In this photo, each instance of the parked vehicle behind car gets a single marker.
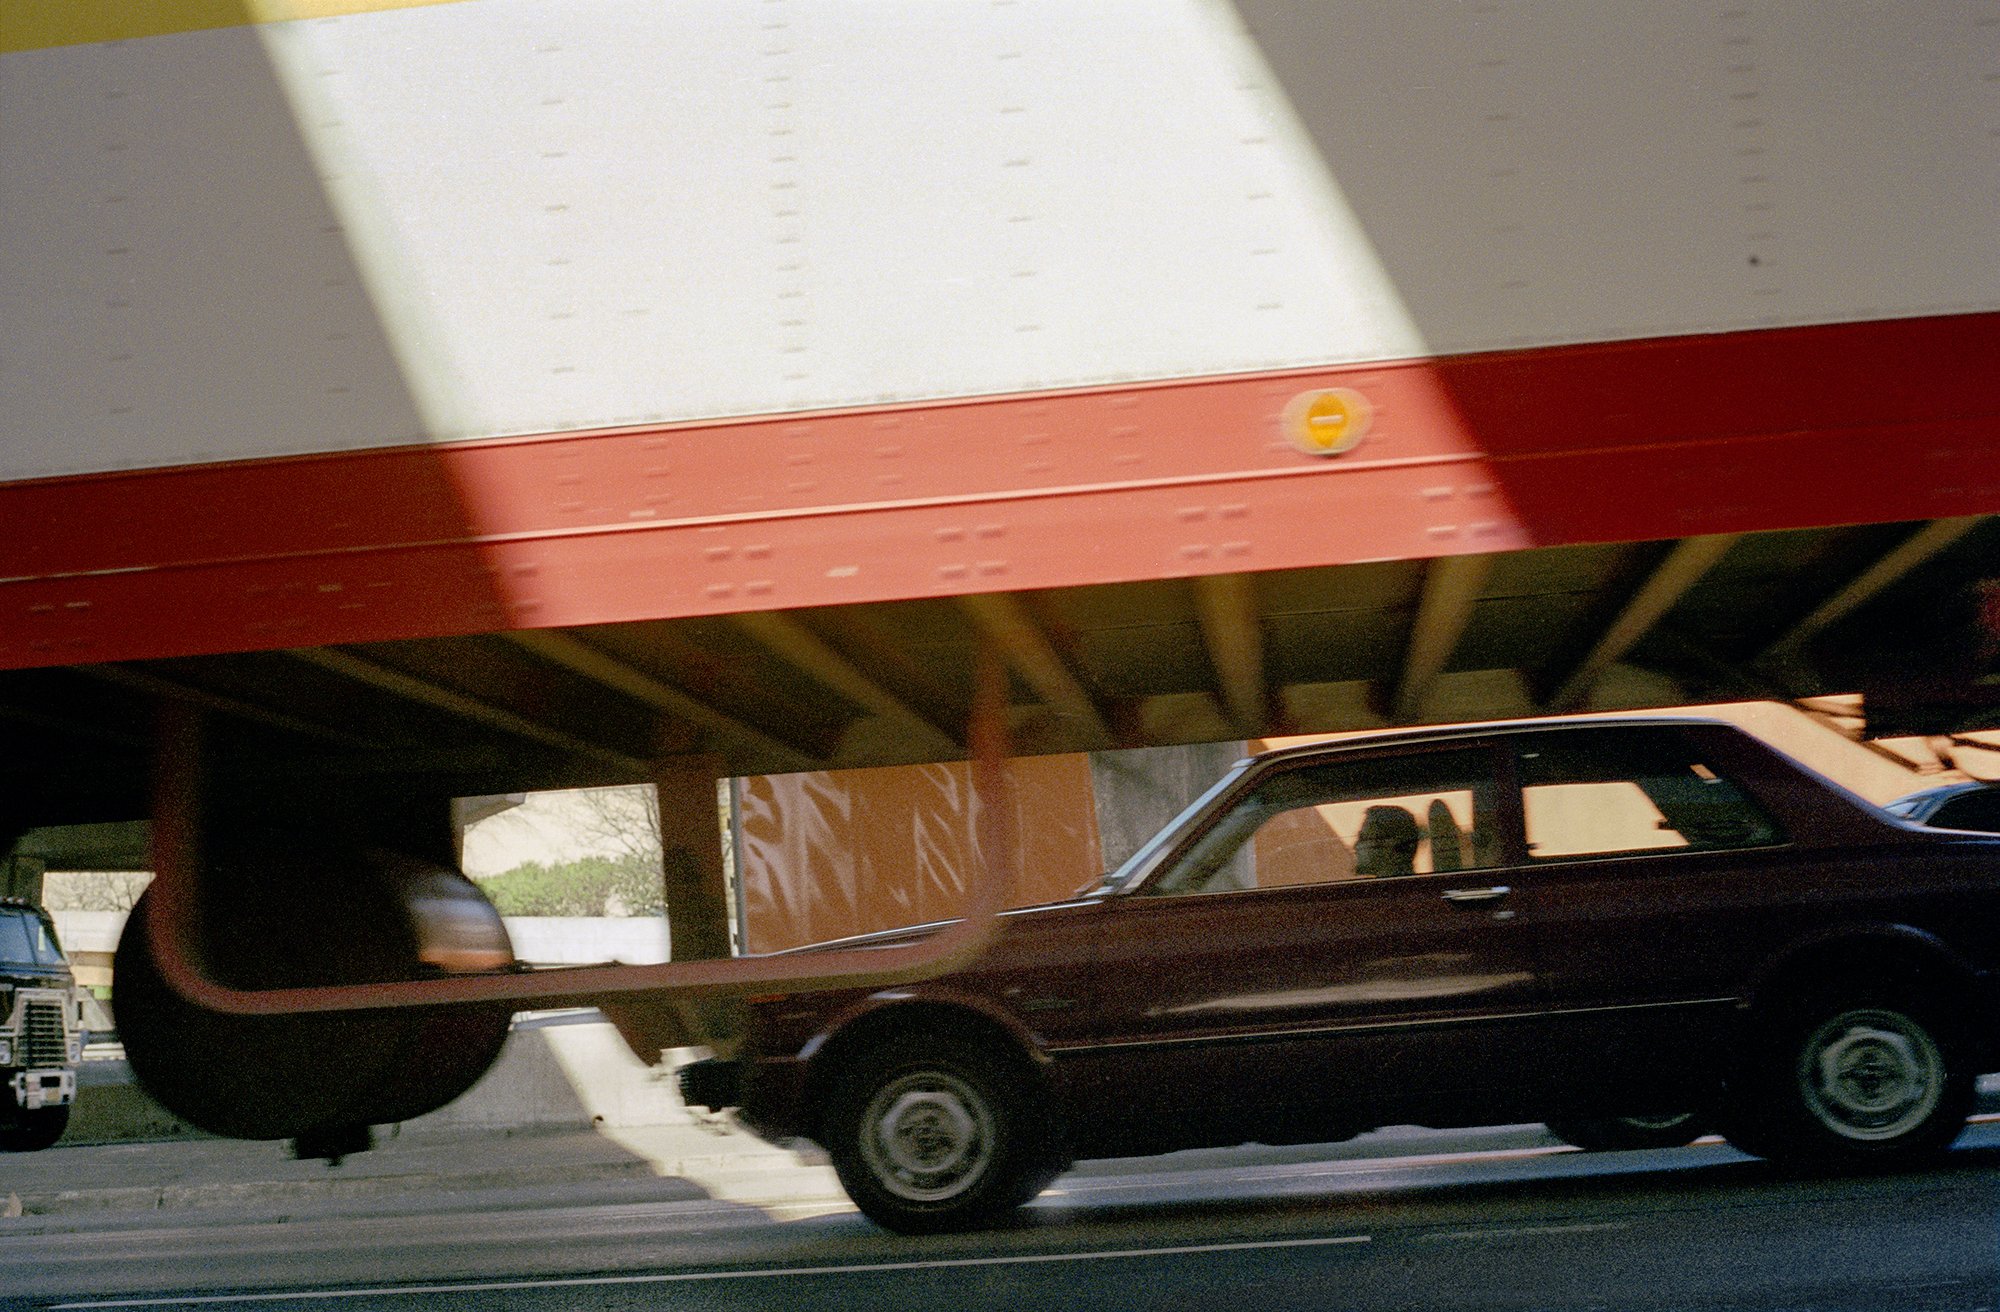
(1617, 926)
(41, 1037)
(1972, 805)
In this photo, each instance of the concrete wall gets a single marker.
(558, 1071)
(566, 1071)
(586, 940)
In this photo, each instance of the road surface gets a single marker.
(1448, 1226)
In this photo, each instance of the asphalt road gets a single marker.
(1517, 1228)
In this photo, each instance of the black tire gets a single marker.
(1600, 1134)
(932, 1133)
(1863, 1078)
(308, 1074)
(1051, 1163)
(31, 1131)
(241, 1077)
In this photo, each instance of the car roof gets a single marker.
(1488, 729)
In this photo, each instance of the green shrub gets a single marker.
(591, 886)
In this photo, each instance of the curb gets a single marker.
(146, 1198)
(193, 1174)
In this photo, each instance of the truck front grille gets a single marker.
(42, 1037)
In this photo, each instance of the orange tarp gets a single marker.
(828, 854)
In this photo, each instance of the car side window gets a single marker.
(1604, 794)
(1425, 813)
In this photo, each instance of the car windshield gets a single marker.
(27, 940)
(1132, 866)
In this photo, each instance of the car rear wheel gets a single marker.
(1855, 1081)
(23, 1131)
(1617, 1133)
(931, 1133)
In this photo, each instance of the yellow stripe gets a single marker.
(42, 24)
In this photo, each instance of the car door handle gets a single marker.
(1493, 894)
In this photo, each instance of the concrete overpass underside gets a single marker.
(1902, 613)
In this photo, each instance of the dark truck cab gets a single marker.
(40, 1039)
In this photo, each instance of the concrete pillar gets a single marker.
(469, 811)
(21, 876)
(1139, 790)
(697, 896)
(691, 858)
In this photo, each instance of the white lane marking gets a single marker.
(682, 1277)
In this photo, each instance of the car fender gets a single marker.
(933, 1001)
(1891, 947)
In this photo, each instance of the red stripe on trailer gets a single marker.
(1606, 442)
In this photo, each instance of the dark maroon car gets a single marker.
(1631, 929)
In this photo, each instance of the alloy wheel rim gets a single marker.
(927, 1136)
(1871, 1075)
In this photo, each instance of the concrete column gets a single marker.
(21, 876)
(691, 858)
(697, 892)
(1139, 790)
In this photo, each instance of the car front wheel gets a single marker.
(1873, 1080)
(930, 1134)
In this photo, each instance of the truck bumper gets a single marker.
(765, 1095)
(34, 1090)
(712, 1083)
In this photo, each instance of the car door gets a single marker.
(1651, 882)
(1303, 953)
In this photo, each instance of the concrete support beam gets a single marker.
(1681, 570)
(581, 658)
(1006, 623)
(112, 845)
(804, 649)
(408, 686)
(155, 686)
(1452, 585)
(1226, 605)
(1914, 550)
(71, 728)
